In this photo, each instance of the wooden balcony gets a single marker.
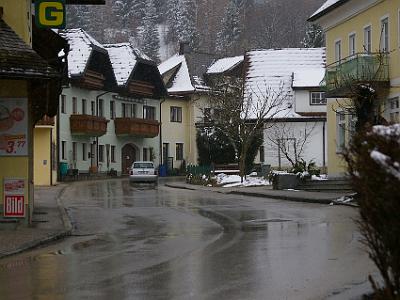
(88, 125)
(136, 127)
(46, 121)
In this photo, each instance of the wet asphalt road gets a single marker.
(141, 242)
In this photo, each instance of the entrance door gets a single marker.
(128, 157)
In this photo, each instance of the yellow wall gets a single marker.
(42, 156)
(356, 24)
(15, 167)
(17, 14)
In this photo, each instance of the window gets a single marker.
(63, 104)
(112, 153)
(340, 131)
(179, 151)
(338, 50)
(63, 150)
(176, 114)
(384, 47)
(112, 110)
(394, 112)
(149, 112)
(93, 108)
(124, 110)
(145, 157)
(165, 153)
(84, 154)
(352, 44)
(101, 153)
(128, 110)
(352, 125)
(317, 98)
(367, 39)
(101, 108)
(74, 105)
(262, 154)
(151, 154)
(74, 151)
(84, 107)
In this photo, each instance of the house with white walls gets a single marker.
(297, 127)
(109, 115)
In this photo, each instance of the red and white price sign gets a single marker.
(14, 198)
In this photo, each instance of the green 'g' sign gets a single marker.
(50, 13)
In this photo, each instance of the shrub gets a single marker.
(374, 166)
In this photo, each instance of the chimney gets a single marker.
(184, 48)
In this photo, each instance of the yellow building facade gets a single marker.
(363, 27)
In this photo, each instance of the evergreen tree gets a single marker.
(149, 34)
(228, 37)
(172, 20)
(314, 37)
(187, 30)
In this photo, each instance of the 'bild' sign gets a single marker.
(14, 198)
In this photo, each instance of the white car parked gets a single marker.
(143, 171)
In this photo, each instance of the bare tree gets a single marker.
(289, 140)
(241, 113)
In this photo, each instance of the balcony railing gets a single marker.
(136, 127)
(88, 125)
(358, 68)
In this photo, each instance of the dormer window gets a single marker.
(317, 98)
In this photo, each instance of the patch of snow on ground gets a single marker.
(320, 177)
(234, 181)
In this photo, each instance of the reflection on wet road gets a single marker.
(141, 242)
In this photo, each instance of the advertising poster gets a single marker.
(13, 127)
(14, 197)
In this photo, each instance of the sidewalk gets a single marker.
(265, 192)
(50, 222)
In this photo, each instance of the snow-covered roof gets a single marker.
(308, 78)
(123, 59)
(224, 64)
(81, 46)
(270, 74)
(329, 4)
(181, 81)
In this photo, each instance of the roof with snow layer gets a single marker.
(188, 71)
(328, 6)
(81, 46)
(224, 64)
(124, 59)
(270, 75)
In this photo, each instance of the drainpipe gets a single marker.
(323, 146)
(97, 138)
(161, 140)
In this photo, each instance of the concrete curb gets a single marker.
(51, 237)
(283, 197)
(180, 187)
(227, 223)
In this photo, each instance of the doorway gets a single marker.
(129, 153)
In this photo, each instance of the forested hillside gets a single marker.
(226, 27)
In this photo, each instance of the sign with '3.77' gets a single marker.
(50, 13)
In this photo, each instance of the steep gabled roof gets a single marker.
(328, 6)
(270, 73)
(225, 64)
(187, 72)
(18, 60)
(81, 47)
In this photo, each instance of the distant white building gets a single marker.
(109, 114)
(298, 129)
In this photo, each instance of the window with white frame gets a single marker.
(112, 110)
(84, 153)
(149, 112)
(352, 44)
(384, 44)
(368, 39)
(84, 107)
(179, 151)
(338, 50)
(74, 105)
(128, 110)
(101, 153)
(317, 98)
(93, 108)
(113, 154)
(74, 151)
(394, 110)
(101, 108)
(63, 150)
(176, 114)
(63, 104)
(340, 131)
